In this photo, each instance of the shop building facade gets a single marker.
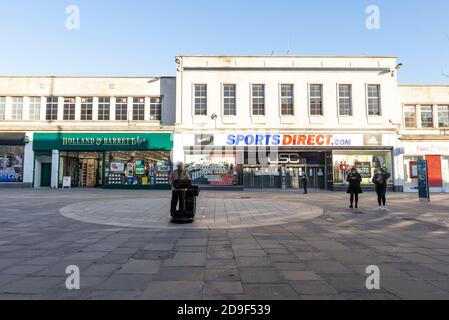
(86, 132)
(425, 135)
(262, 122)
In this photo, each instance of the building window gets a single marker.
(17, 108)
(2, 108)
(410, 116)
(87, 106)
(345, 100)
(51, 112)
(316, 99)
(258, 97)
(35, 108)
(104, 109)
(201, 100)
(287, 108)
(139, 109)
(69, 109)
(427, 116)
(121, 109)
(155, 109)
(374, 100)
(229, 100)
(443, 116)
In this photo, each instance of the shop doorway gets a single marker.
(261, 177)
(45, 175)
(85, 169)
(435, 174)
(316, 177)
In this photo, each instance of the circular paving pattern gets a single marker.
(212, 212)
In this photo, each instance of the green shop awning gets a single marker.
(103, 141)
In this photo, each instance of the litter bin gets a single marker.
(188, 205)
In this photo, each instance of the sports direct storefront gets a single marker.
(278, 160)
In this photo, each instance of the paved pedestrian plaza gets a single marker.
(244, 245)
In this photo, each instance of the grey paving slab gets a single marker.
(173, 290)
(270, 292)
(140, 267)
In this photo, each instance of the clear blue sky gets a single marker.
(142, 37)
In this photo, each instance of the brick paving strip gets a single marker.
(319, 257)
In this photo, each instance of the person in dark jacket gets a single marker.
(305, 181)
(354, 189)
(380, 181)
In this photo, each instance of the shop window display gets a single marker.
(11, 163)
(366, 162)
(137, 168)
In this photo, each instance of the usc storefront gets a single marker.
(273, 160)
(107, 160)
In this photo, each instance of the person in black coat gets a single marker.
(380, 181)
(354, 189)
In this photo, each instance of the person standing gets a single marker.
(380, 181)
(178, 175)
(305, 181)
(354, 189)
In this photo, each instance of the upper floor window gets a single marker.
(139, 109)
(258, 97)
(229, 100)
(87, 106)
(51, 112)
(410, 116)
(155, 109)
(287, 106)
(427, 116)
(17, 108)
(69, 109)
(374, 100)
(443, 116)
(316, 99)
(35, 108)
(121, 109)
(104, 108)
(201, 100)
(2, 108)
(345, 100)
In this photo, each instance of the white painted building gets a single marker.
(87, 131)
(249, 121)
(425, 135)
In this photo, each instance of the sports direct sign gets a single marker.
(289, 140)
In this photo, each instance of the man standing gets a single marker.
(177, 176)
(354, 189)
(305, 181)
(380, 181)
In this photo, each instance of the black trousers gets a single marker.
(177, 196)
(354, 196)
(381, 191)
(304, 184)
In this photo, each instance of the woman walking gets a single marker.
(355, 179)
(380, 181)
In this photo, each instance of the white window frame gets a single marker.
(86, 103)
(152, 104)
(367, 99)
(433, 116)
(438, 114)
(264, 100)
(194, 99)
(309, 100)
(292, 97)
(351, 100)
(404, 106)
(34, 107)
(140, 112)
(3, 108)
(17, 108)
(223, 99)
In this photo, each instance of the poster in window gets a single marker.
(364, 168)
(414, 170)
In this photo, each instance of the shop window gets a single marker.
(87, 106)
(137, 168)
(104, 109)
(258, 99)
(11, 163)
(229, 100)
(35, 108)
(155, 109)
(17, 108)
(51, 112)
(316, 100)
(374, 100)
(443, 116)
(410, 116)
(139, 109)
(366, 162)
(2, 107)
(411, 170)
(121, 109)
(287, 106)
(345, 100)
(200, 100)
(69, 109)
(427, 116)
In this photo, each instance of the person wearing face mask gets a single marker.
(179, 175)
(380, 181)
(354, 189)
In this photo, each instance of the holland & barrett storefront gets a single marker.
(107, 160)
